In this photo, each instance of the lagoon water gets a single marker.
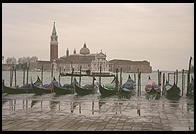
(93, 105)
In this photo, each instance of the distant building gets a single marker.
(85, 59)
(130, 66)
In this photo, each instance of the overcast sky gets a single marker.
(160, 33)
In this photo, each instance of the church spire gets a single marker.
(54, 29)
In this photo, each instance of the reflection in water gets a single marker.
(100, 104)
(53, 105)
(33, 102)
(73, 106)
(26, 104)
(92, 107)
(152, 96)
(80, 108)
(133, 108)
(4, 101)
(138, 107)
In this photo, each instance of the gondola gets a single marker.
(62, 90)
(108, 89)
(128, 88)
(86, 89)
(172, 91)
(28, 88)
(43, 89)
(152, 88)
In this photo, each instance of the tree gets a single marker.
(11, 60)
(33, 59)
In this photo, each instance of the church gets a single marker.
(83, 59)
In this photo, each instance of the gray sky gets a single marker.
(160, 33)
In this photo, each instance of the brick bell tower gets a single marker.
(54, 45)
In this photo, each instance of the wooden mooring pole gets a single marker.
(120, 77)
(11, 75)
(42, 70)
(59, 76)
(168, 77)
(176, 77)
(72, 76)
(163, 88)
(134, 77)
(117, 87)
(140, 84)
(188, 77)
(183, 82)
(23, 76)
(80, 76)
(15, 75)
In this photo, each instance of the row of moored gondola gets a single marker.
(127, 89)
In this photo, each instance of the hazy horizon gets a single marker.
(162, 34)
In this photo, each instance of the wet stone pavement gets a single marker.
(96, 115)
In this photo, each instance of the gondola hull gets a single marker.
(173, 92)
(16, 90)
(62, 91)
(126, 91)
(84, 91)
(107, 92)
(39, 91)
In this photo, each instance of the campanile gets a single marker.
(54, 45)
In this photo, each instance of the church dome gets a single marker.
(84, 50)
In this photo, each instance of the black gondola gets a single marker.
(172, 91)
(106, 91)
(39, 90)
(21, 90)
(84, 91)
(62, 91)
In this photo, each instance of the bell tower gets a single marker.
(54, 45)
